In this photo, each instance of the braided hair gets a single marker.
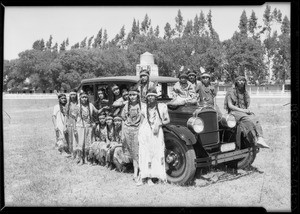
(152, 90)
(148, 115)
(61, 107)
(88, 106)
(244, 92)
(129, 101)
(109, 129)
(69, 103)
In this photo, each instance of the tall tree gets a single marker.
(42, 44)
(105, 38)
(279, 16)
(156, 31)
(83, 43)
(252, 24)
(98, 39)
(75, 46)
(282, 56)
(213, 34)
(151, 31)
(67, 42)
(134, 29)
(169, 32)
(90, 42)
(145, 25)
(49, 43)
(244, 56)
(267, 18)
(179, 23)
(243, 24)
(285, 27)
(55, 47)
(196, 28)
(202, 22)
(62, 46)
(188, 30)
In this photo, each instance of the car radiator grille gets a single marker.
(210, 134)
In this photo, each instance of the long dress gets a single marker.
(101, 135)
(59, 114)
(248, 123)
(130, 127)
(72, 111)
(84, 128)
(151, 146)
(121, 155)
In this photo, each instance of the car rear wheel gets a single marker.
(180, 160)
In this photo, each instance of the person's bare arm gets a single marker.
(235, 108)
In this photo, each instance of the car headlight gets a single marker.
(196, 124)
(228, 120)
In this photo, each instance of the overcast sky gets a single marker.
(24, 25)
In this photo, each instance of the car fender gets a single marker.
(182, 133)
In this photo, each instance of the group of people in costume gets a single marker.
(130, 129)
(189, 90)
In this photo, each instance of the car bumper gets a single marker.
(224, 157)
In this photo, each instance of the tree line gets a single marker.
(256, 51)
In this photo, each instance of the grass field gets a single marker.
(37, 175)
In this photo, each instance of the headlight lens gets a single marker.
(196, 124)
(228, 120)
(231, 122)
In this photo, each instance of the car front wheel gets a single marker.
(249, 159)
(180, 160)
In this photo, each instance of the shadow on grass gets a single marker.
(221, 173)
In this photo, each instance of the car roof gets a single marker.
(133, 79)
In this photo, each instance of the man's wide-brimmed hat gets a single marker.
(152, 91)
(101, 116)
(205, 75)
(192, 73)
(83, 93)
(183, 74)
(240, 78)
(144, 72)
(108, 117)
(134, 90)
(61, 95)
(117, 118)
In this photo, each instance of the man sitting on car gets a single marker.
(207, 93)
(192, 78)
(237, 101)
(183, 91)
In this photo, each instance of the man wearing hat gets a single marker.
(237, 101)
(206, 91)
(192, 79)
(184, 90)
(144, 84)
(58, 119)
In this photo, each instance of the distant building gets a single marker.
(147, 62)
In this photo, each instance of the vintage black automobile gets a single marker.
(196, 136)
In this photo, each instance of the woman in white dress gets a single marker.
(151, 139)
